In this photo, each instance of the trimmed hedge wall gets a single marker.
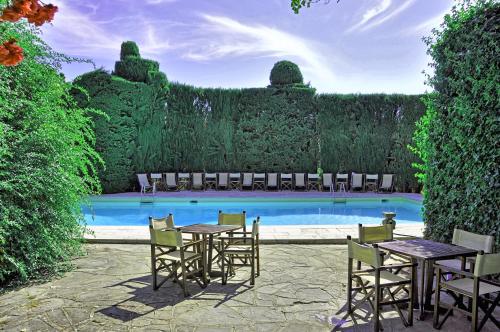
(459, 137)
(287, 129)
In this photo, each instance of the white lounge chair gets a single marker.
(171, 181)
(371, 182)
(197, 181)
(272, 181)
(210, 180)
(259, 181)
(223, 181)
(300, 181)
(356, 181)
(342, 181)
(247, 181)
(286, 182)
(327, 182)
(387, 183)
(145, 185)
(313, 181)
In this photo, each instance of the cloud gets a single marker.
(380, 14)
(426, 26)
(224, 37)
(159, 2)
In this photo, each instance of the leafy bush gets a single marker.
(135, 69)
(47, 162)
(285, 73)
(129, 48)
(458, 137)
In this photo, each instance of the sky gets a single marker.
(362, 46)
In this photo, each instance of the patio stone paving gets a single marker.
(301, 288)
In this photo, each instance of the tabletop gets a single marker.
(208, 228)
(426, 249)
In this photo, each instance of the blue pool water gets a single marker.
(272, 212)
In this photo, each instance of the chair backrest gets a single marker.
(183, 175)
(473, 240)
(286, 176)
(166, 237)
(247, 179)
(233, 176)
(342, 177)
(299, 179)
(255, 227)
(356, 180)
(170, 179)
(223, 179)
(312, 176)
(272, 179)
(366, 254)
(387, 181)
(197, 179)
(371, 178)
(372, 234)
(143, 180)
(162, 223)
(487, 264)
(210, 176)
(156, 176)
(327, 179)
(259, 176)
(232, 218)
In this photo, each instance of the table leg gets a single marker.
(422, 286)
(206, 276)
(429, 283)
(210, 248)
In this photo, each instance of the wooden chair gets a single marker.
(376, 280)
(197, 181)
(157, 179)
(171, 182)
(327, 182)
(342, 181)
(162, 223)
(300, 181)
(469, 240)
(184, 181)
(241, 249)
(313, 181)
(286, 182)
(259, 181)
(387, 183)
(235, 180)
(233, 219)
(247, 181)
(174, 254)
(371, 182)
(272, 181)
(474, 286)
(223, 181)
(369, 235)
(210, 181)
(356, 181)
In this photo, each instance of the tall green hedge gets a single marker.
(278, 128)
(459, 137)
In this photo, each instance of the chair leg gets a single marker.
(474, 312)
(252, 261)
(258, 258)
(437, 296)
(184, 278)
(376, 311)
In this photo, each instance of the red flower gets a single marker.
(17, 10)
(42, 14)
(10, 53)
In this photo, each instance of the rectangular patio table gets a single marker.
(426, 252)
(207, 230)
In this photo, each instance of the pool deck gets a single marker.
(304, 234)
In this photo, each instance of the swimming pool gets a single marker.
(272, 211)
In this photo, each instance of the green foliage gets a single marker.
(458, 139)
(369, 134)
(47, 162)
(129, 48)
(136, 69)
(285, 73)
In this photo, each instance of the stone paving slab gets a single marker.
(301, 288)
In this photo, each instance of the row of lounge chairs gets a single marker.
(265, 181)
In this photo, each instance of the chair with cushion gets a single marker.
(272, 181)
(327, 181)
(223, 181)
(197, 181)
(171, 181)
(300, 181)
(241, 249)
(483, 292)
(356, 181)
(169, 252)
(387, 183)
(247, 182)
(378, 286)
(145, 185)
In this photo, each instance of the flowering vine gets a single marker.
(35, 12)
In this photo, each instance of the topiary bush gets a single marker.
(285, 73)
(129, 48)
(458, 138)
